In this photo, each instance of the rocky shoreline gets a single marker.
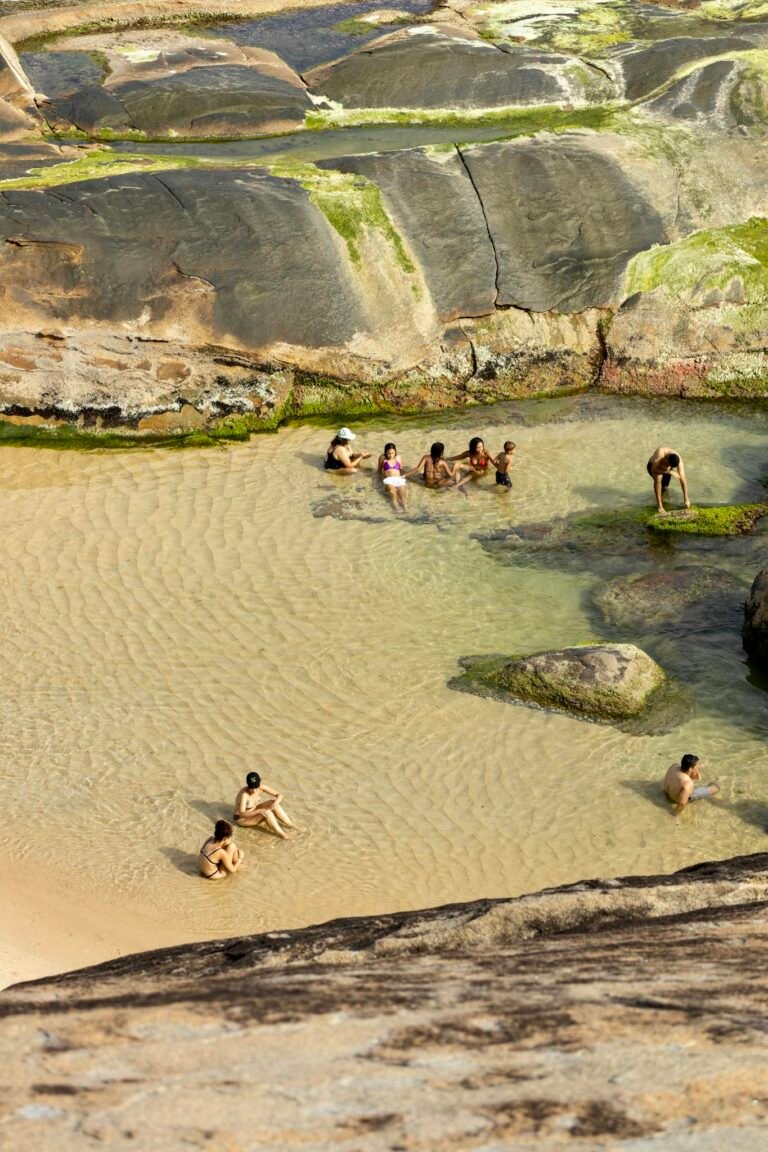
(613, 235)
(611, 1013)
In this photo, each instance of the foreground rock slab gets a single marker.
(624, 1014)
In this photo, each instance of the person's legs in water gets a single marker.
(282, 816)
(701, 791)
(402, 498)
(272, 822)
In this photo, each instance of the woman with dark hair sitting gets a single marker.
(437, 472)
(477, 457)
(338, 457)
(220, 856)
(258, 804)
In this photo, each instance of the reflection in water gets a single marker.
(172, 620)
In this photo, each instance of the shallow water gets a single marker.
(171, 620)
(307, 37)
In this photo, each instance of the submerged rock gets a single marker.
(755, 630)
(687, 596)
(608, 682)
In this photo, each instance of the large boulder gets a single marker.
(445, 67)
(169, 84)
(608, 682)
(755, 630)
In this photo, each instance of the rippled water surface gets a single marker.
(171, 620)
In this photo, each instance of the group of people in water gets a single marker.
(441, 471)
(255, 804)
(437, 470)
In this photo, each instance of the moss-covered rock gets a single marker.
(726, 520)
(604, 682)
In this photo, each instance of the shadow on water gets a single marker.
(184, 862)
(211, 810)
(751, 813)
(651, 791)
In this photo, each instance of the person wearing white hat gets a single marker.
(338, 458)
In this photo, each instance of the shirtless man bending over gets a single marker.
(679, 786)
(662, 466)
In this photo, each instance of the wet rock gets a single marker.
(686, 597)
(442, 67)
(649, 68)
(169, 85)
(605, 682)
(564, 218)
(436, 207)
(755, 629)
(705, 95)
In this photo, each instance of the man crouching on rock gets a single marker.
(662, 466)
(679, 784)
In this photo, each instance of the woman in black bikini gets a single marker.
(220, 856)
(338, 458)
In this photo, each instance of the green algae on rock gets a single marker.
(602, 682)
(725, 520)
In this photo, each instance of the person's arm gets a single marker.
(380, 467)
(241, 808)
(683, 485)
(228, 860)
(657, 492)
(271, 792)
(462, 456)
(685, 795)
(413, 471)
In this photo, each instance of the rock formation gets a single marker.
(608, 682)
(591, 209)
(755, 630)
(623, 1014)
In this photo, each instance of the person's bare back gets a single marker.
(680, 783)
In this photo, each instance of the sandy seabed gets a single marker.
(172, 620)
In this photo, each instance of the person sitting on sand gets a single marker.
(220, 856)
(338, 457)
(662, 466)
(679, 784)
(479, 460)
(257, 804)
(438, 473)
(503, 464)
(391, 471)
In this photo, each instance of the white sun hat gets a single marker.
(345, 434)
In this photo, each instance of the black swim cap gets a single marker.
(252, 780)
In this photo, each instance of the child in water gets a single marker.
(503, 464)
(391, 471)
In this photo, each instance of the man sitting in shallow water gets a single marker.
(679, 784)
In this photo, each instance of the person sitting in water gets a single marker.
(479, 460)
(220, 856)
(679, 784)
(257, 804)
(437, 472)
(662, 466)
(338, 457)
(391, 471)
(503, 464)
